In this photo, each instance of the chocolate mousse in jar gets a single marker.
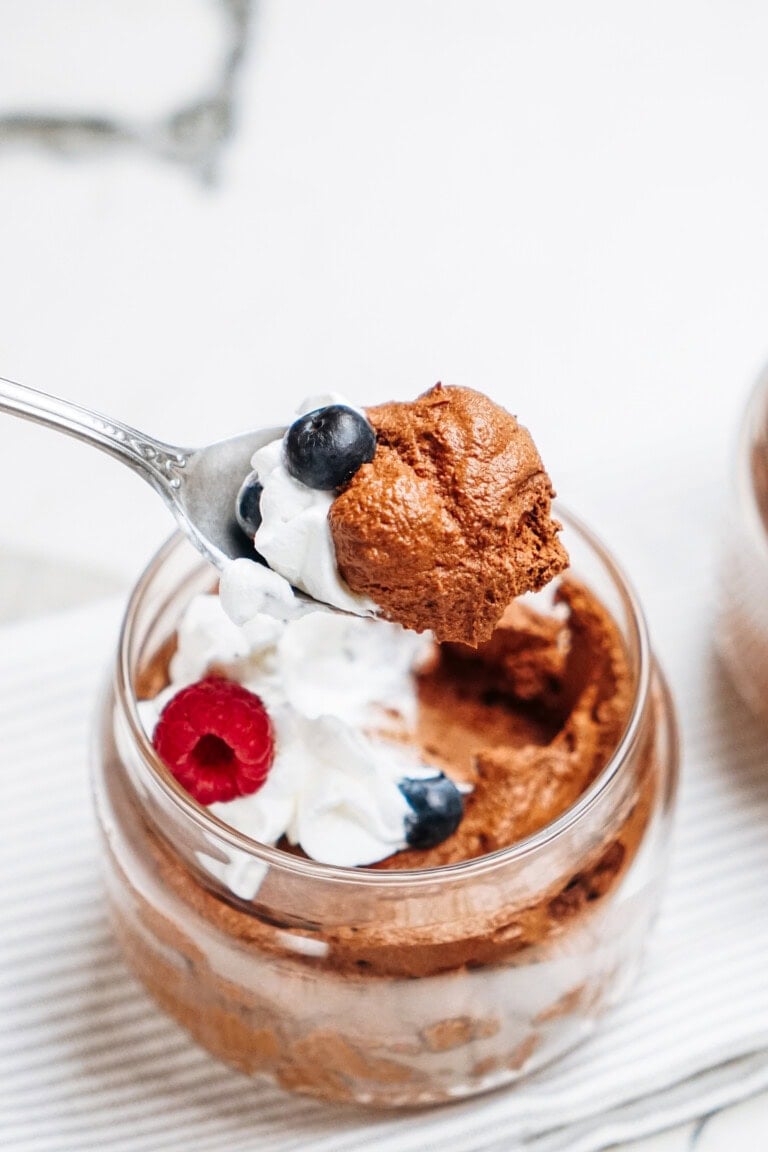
(742, 628)
(371, 865)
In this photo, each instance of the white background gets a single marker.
(564, 205)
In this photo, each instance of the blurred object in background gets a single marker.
(742, 632)
(82, 74)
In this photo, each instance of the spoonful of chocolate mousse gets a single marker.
(433, 513)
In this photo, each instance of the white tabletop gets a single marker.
(564, 205)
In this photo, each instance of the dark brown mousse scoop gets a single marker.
(451, 519)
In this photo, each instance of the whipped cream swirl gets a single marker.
(336, 687)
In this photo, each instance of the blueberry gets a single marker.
(248, 505)
(326, 447)
(438, 807)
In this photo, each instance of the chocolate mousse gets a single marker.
(395, 949)
(528, 720)
(451, 519)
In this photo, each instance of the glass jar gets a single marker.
(387, 988)
(742, 618)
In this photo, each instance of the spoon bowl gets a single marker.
(209, 482)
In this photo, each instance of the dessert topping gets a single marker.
(294, 536)
(324, 448)
(340, 693)
(437, 809)
(216, 738)
(248, 506)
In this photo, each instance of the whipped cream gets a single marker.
(294, 536)
(335, 687)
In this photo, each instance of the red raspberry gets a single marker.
(216, 739)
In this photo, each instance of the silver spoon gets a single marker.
(199, 485)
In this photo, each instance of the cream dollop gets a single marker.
(294, 536)
(334, 686)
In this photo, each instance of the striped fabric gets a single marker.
(86, 1062)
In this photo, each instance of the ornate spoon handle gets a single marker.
(158, 463)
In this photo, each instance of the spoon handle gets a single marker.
(158, 463)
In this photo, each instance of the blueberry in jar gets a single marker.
(438, 807)
(326, 447)
(248, 505)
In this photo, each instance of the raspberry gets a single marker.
(216, 739)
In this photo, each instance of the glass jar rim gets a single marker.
(159, 778)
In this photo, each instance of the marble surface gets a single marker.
(126, 91)
(204, 217)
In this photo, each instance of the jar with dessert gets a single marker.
(742, 627)
(398, 837)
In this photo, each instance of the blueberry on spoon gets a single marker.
(326, 447)
(438, 807)
(248, 504)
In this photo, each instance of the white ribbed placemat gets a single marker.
(87, 1063)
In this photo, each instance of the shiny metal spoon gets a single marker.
(199, 485)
